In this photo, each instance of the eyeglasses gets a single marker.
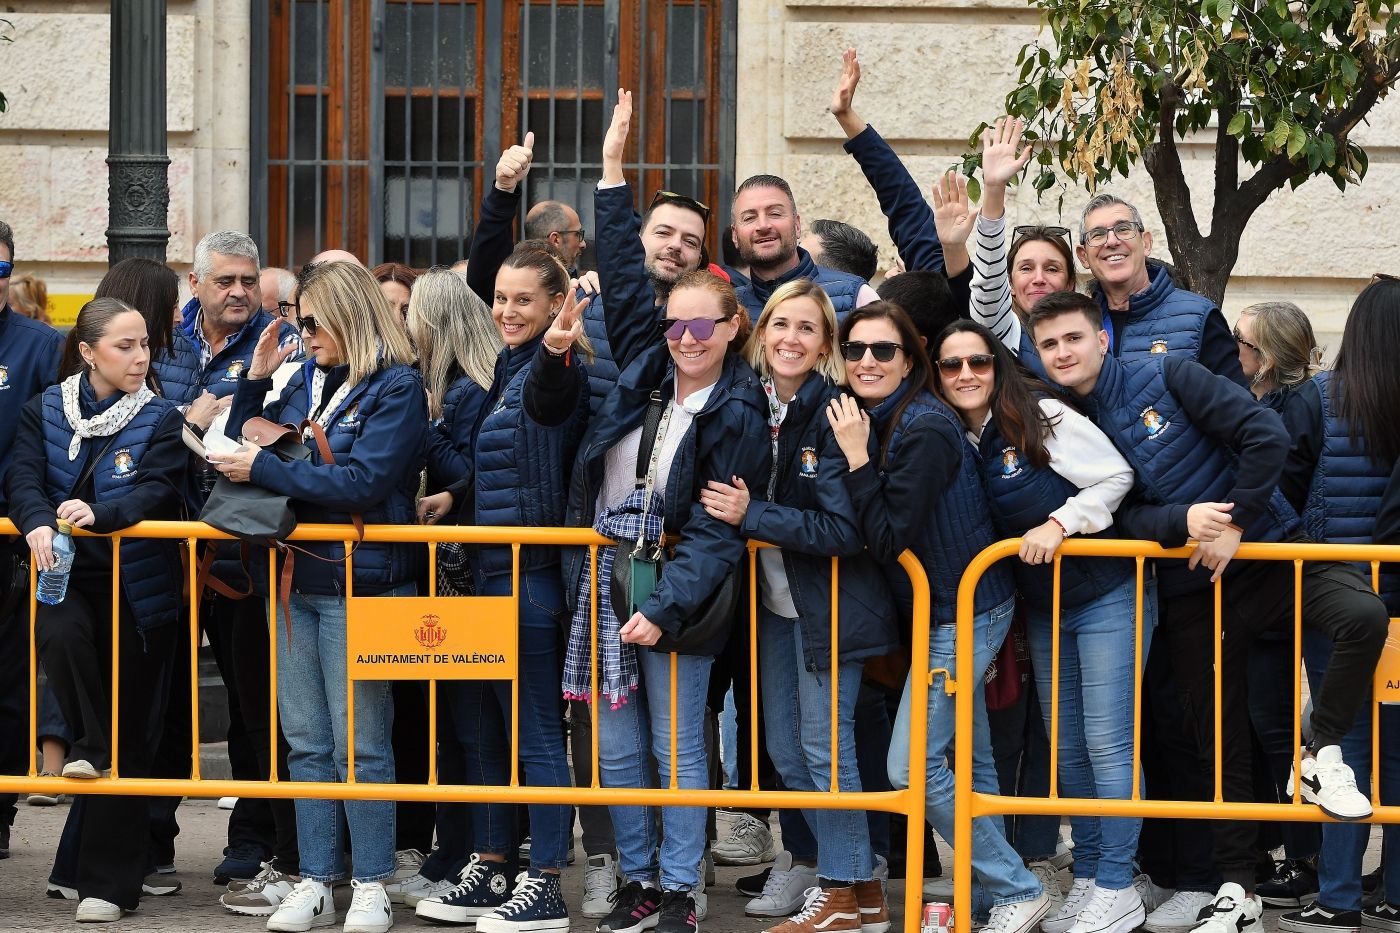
(701, 328)
(1040, 230)
(979, 363)
(287, 309)
(5, 269)
(1245, 343)
(578, 233)
(681, 200)
(883, 351)
(1123, 230)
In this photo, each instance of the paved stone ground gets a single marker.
(23, 905)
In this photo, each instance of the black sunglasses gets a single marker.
(1040, 230)
(701, 328)
(883, 351)
(681, 200)
(979, 363)
(1244, 343)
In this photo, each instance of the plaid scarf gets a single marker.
(617, 662)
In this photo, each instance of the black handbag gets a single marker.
(251, 513)
(636, 572)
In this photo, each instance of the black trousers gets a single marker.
(75, 643)
(1338, 602)
(240, 638)
(413, 822)
(15, 679)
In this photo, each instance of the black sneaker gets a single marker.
(481, 888)
(1383, 916)
(635, 908)
(241, 863)
(4, 841)
(1373, 887)
(1318, 919)
(1292, 885)
(677, 913)
(752, 885)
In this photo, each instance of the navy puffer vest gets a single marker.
(523, 468)
(841, 287)
(150, 569)
(1162, 319)
(959, 529)
(1022, 496)
(1346, 490)
(1173, 461)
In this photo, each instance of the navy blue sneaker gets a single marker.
(536, 906)
(241, 863)
(481, 888)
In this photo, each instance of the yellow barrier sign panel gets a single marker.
(431, 638)
(1388, 668)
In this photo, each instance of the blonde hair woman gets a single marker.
(359, 386)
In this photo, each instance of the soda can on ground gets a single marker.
(938, 918)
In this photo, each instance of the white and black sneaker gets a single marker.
(1383, 916)
(1232, 911)
(536, 906)
(483, 886)
(1318, 919)
(1328, 781)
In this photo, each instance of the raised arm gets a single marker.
(910, 220)
(1002, 159)
(622, 262)
(494, 237)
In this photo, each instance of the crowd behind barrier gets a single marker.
(594, 456)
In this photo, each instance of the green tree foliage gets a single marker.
(1278, 86)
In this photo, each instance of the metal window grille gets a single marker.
(377, 123)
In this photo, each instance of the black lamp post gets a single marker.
(138, 192)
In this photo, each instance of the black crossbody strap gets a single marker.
(650, 424)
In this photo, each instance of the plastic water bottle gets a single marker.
(53, 583)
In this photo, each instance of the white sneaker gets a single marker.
(1018, 918)
(784, 892)
(1329, 782)
(370, 911)
(1064, 855)
(700, 898)
(406, 864)
(1231, 912)
(743, 839)
(1178, 912)
(82, 770)
(1152, 896)
(599, 884)
(1063, 917)
(96, 910)
(1110, 912)
(434, 889)
(399, 889)
(1048, 876)
(261, 896)
(228, 803)
(308, 905)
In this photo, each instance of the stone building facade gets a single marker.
(934, 69)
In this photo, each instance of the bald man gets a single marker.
(558, 223)
(335, 255)
(277, 285)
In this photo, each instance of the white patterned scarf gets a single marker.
(105, 424)
(318, 388)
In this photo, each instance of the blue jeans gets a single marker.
(640, 729)
(1344, 844)
(1097, 644)
(797, 724)
(481, 714)
(999, 875)
(311, 696)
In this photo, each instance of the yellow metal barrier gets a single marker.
(970, 804)
(909, 801)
